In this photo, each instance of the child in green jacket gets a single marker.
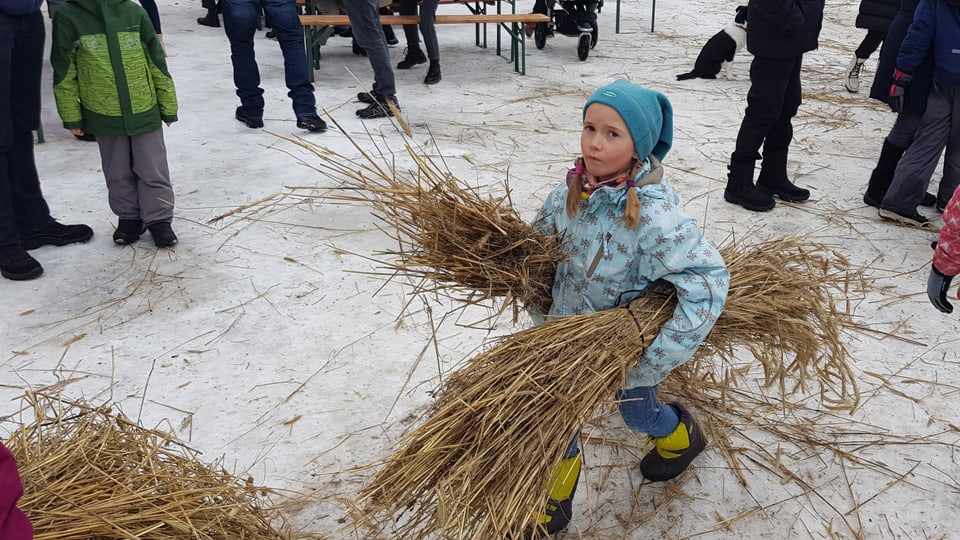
(111, 80)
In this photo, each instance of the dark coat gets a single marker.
(783, 28)
(877, 15)
(915, 100)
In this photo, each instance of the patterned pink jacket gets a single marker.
(947, 256)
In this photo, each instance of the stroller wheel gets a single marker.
(540, 35)
(583, 46)
(594, 35)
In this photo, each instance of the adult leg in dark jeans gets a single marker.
(365, 21)
(25, 221)
(286, 25)
(22, 206)
(414, 54)
(240, 25)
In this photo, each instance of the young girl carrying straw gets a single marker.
(623, 230)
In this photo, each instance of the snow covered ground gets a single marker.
(263, 338)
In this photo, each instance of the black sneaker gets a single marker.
(912, 219)
(128, 231)
(56, 234)
(412, 58)
(89, 137)
(368, 97)
(254, 123)
(163, 235)
(312, 123)
(378, 110)
(272, 34)
(929, 200)
(17, 264)
(870, 200)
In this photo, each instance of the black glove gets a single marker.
(897, 89)
(937, 287)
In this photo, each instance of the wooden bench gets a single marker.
(512, 23)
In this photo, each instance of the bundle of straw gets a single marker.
(89, 473)
(478, 466)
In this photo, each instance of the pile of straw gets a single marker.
(478, 465)
(89, 473)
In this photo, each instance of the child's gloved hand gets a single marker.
(897, 89)
(937, 286)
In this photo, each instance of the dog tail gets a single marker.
(685, 76)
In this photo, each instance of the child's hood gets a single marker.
(100, 7)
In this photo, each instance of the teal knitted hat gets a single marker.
(647, 113)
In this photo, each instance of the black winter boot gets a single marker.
(128, 231)
(882, 175)
(433, 73)
(773, 180)
(414, 57)
(17, 264)
(210, 19)
(740, 189)
(163, 235)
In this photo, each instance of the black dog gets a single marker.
(720, 48)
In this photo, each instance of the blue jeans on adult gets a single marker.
(23, 209)
(642, 413)
(240, 23)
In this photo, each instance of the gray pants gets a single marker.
(939, 128)
(365, 22)
(138, 179)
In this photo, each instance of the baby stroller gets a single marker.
(575, 18)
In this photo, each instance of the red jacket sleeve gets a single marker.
(947, 256)
(14, 524)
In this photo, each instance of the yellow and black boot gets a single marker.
(559, 510)
(672, 454)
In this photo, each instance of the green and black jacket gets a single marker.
(109, 70)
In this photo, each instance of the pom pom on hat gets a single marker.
(647, 114)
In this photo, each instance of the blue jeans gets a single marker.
(240, 24)
(365, 22)
(23, 209)
(641, 413)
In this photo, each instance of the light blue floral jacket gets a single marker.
(609, 265)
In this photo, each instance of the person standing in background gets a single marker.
(778, 33)
(240, 24)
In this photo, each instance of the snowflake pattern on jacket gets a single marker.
(947, 256)
(609, 265)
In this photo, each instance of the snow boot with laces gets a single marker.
(852, 82)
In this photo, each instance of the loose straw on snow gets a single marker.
(476, 467)
(90, 473)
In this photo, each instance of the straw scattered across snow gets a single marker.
(91, 473)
